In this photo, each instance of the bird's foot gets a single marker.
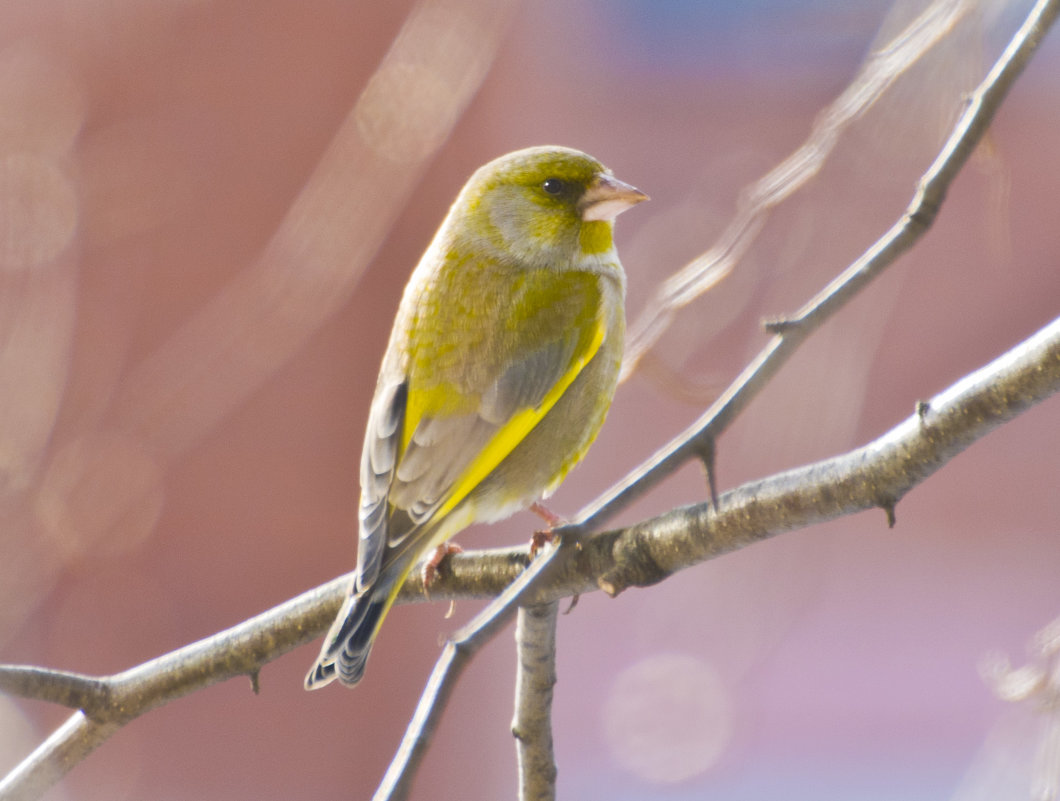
(430, 567)
(539, 539)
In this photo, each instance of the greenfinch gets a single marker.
(500, 369)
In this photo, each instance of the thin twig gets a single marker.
(535, 641)
(67, 746)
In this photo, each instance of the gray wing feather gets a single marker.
(526, 382)
(378, 465)
(440, 450)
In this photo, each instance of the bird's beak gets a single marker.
(607, 197)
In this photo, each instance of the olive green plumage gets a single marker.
(501, 367)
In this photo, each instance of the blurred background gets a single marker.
(201, 250)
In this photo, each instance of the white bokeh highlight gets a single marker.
(667, 718)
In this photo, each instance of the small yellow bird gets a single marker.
(500, 369)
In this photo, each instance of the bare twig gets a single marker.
(535, 641)
(67, 746)
(74, 690)
(878, 474)
(109, 702)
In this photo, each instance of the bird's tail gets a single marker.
(346, 648)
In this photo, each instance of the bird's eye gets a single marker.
(553, 186)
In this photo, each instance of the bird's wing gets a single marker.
(449, 455)
(422, 459)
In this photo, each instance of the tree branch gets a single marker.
(535, 640)
(878, 474)
(67, 746)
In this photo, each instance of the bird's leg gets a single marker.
(430, 567)
(546, 514)
(552, 520)
(539, 538)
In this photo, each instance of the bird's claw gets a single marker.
(539, 539)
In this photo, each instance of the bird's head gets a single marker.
(543, 205)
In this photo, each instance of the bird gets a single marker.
(500, 369)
